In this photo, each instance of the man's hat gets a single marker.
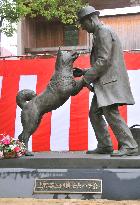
(85, 11)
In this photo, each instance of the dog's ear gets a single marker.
(58, 59)
(59, 53)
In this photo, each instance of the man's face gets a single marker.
(87, 24)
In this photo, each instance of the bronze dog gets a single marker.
(61, 86)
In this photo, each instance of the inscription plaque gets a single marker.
(43, 186)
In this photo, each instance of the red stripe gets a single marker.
(11, 70)
(8, 104)
(43, 68)
(27, 67)
(41, 138)
(82, 62)
(132, 60)
(78, 136)
(123, 112)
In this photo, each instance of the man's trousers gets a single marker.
(102, 117)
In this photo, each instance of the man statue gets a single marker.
(109, 77)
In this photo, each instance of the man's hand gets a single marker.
(77, 72)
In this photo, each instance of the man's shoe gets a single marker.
(104, 150)
(123, 151)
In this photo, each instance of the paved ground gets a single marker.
(64, 202)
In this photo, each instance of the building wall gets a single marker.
(38, 35)
(128, 28)
(8, 45)
(110, 4)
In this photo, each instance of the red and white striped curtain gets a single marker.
(67, 128)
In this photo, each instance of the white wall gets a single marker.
(8, 45)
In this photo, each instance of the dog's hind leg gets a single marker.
(24, 137)
(20, 137)
(30, 119)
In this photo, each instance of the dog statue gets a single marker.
(61, 86)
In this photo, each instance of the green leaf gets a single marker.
(11, 11)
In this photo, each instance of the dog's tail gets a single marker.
(23, 96)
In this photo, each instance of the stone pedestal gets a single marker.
(120, 176)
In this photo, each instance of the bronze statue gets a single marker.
(111, 86)
(61, 86)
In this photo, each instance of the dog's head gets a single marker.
(65, 58)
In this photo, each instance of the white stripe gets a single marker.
(26, 82)
(1, 78)
(92, 142)
(60, 124)
(133, 112)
